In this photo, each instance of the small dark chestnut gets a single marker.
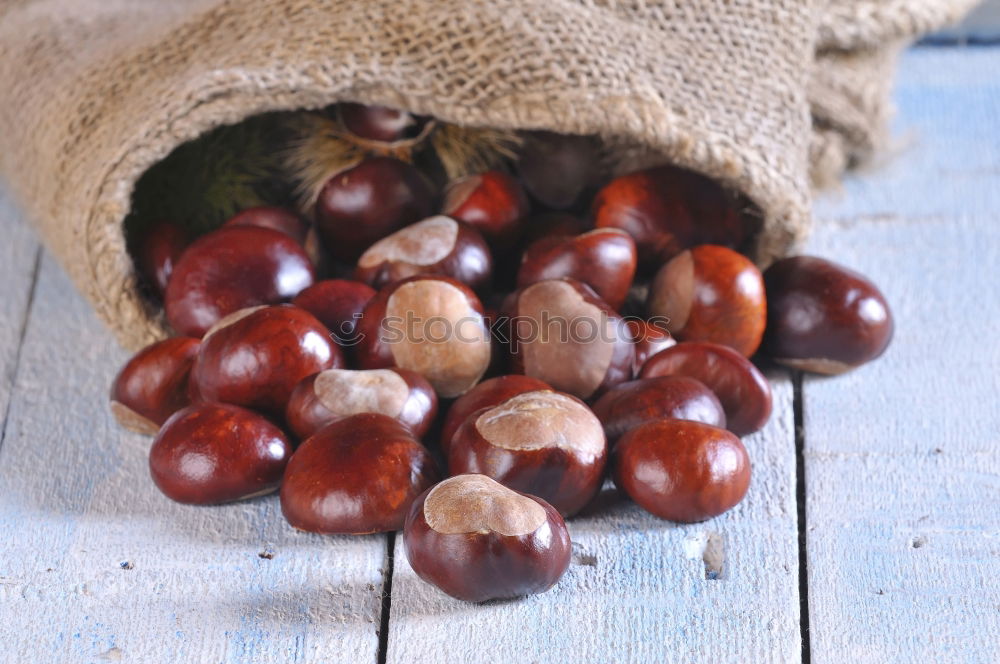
(604, 259)
(432, 325)
(711, 293)
(334, 394)
(369, 201)
(564, 334)
(632, 404)
(231, 269)
(682, 470)
(215, 453)
(153, 385)
(337, 303)
(556, 169)
(276, 218)
(493, 203)
(378, 123)
(487, 393)
(256, 357)
(742, 389)
(435, 246)
(544, 443)
(477, 540)
(650, 338)
(823, 317)
(355, 476)
(158, 251)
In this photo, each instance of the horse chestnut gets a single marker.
(432, 325)
(275, 218)
(493, 203)
(215, 453)
(231, 269)
(565, 335)
(544, 443)
(629, 405)
(477, 540)
(257, 356)
(337, 303)
(435, 246)
(650, 337)
(487, 393)
(334, 394)
(742, 389)
(824, 317)
(355, 476)
(604, 259)
(682, 470)
(711, 293)
(378, 123)
(557, 168)
(668, 209)
(153, 385)
(158, 251)
(364, 204)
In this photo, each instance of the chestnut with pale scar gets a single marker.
(478, 504)
(542, 442)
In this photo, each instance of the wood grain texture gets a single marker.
(902, 456)
(637, 588)
(96, 565)
(18, 264)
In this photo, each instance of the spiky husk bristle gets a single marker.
(316, 151)
(469, 150)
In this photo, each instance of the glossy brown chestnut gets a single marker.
(668, 209)
(711, 293)
(435, 246)
(364, 204)
(564, 334)
(215, 453)
(231, 269)
(477, 540)
(378, 123)
(742, 389)
(337, 303)
(650, 337)
(557, 168)
(334, 394)
(493, 203)
(153, 385)
(158, 251)
(357, 475)
(487, 393)
(256, 357)
(544, 443)
(632, 404)
(604, 259)
(275, 218)
(682, 470)
(432, 325)
(823, 317)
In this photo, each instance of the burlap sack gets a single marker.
(96, 91)
(858, 45)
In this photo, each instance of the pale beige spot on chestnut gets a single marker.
(672, 291)
(817, 365)
(231, 319)
(543, 419)
(575, 364)
(478, 504)
(424, 243)
(132, 420)
(447, 342)
(347, 392)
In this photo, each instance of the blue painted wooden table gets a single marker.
(871, 531)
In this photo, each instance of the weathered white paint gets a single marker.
(97, 565)
(18, 258)
(637, 588)
(903, 456)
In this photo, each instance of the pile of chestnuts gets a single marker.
(469, 363)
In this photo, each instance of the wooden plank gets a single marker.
(18, 266)
(637, 588)
(902, 457)
(982, 25)
(96, 565)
